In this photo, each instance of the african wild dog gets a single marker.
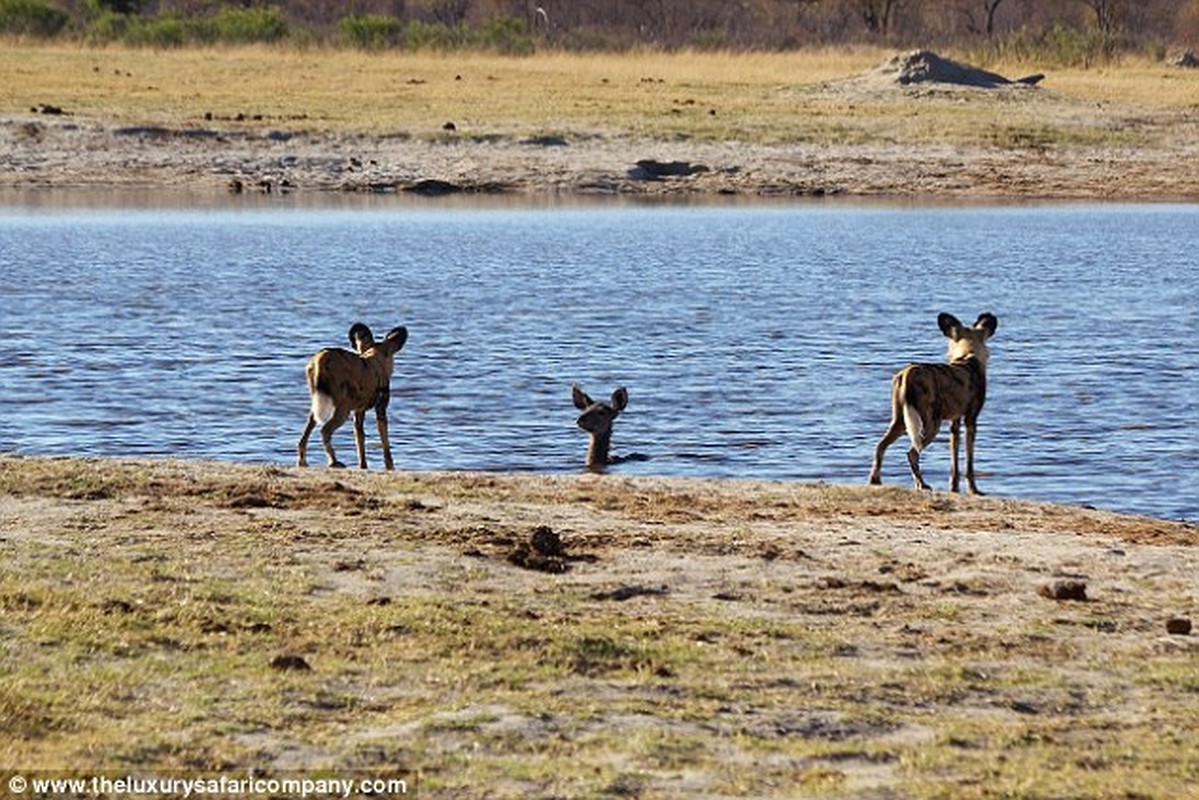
(925, 395)
(597, 419)
(341, 383)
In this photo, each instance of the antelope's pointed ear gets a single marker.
(581, 399)
(620, 398)
(949, 325)
(361, 338)
(398, 336)
(987, 322)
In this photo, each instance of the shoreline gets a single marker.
(68, 155)
(1182, 531)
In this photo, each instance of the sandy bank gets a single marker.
(916, 125)
(37, 153)
(583, 635)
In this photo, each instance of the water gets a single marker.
(755, 341)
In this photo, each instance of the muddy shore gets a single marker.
(36, 152)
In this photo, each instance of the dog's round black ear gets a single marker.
(988, 322)
(947, 322)
(581, 399)
(361, 337)
(398, 336)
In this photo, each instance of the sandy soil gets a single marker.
(1049, 160)
(869, 642)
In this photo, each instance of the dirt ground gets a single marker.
(593, 635)
(867, 135)
(39, 154)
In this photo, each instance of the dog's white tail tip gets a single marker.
(914, 426)
(322, 407)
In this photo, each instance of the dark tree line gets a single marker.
(745, 24)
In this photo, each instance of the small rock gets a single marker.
(628, 592)
(1186, 59)
(649, 169)
(546, 141)
(1178, 626)
(1064, 590)
(290, 662)
(431, 187)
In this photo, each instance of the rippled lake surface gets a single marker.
(755, 341)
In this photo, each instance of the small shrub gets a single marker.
(435, 35)
(1061, 44)
(506, 35)
(108, 27)
(710, 41)
(164, 33)
(370, 31)
(31, 18)
(249, 25)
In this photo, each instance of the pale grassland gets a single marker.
(763, 97)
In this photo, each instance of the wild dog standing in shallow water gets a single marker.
(342, 383)
(925, 395)
(597, 419)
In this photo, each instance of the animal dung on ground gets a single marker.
(1178, 626)
(542, 551)
(286, 663)
(1064, 590)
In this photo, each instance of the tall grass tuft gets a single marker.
(370, 31)
(1060, 45)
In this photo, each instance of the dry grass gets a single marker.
(709, 96)
(794, 124)
(379, 93)
(708, 638)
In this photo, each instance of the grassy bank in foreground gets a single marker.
(756, 98)
(665, 638)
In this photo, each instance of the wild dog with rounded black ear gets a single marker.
(341, 383)
(597, 419)
(925, 395)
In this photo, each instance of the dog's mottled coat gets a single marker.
(341, 382)
(925, 395)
